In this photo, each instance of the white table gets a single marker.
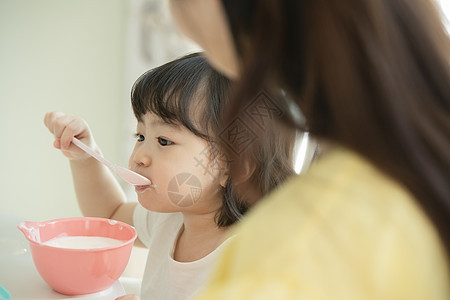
(19, 275)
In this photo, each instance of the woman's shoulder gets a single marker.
(341, 190)
(342, 222)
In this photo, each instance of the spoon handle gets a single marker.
(126, 174)
(90, 151)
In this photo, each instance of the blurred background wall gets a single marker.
(80, 57)
(56, 55)
(445, 7)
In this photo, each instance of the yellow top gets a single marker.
(342, 231)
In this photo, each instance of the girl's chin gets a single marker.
(157, 204)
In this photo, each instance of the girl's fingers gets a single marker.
(57, 144)
(75, 128)
(49, 119)
(60, 125)
(65, 127)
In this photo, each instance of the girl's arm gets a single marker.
(97, 190)
(99, 194)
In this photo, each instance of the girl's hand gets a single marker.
(64, 128)
(129, 297)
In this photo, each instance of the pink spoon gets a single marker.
(126, 174)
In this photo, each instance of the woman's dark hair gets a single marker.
(190, 93)
(373, 76)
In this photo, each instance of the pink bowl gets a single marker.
(79, 271)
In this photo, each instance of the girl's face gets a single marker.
(204, 21)
(178, 163)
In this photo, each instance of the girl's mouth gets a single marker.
(143, 188)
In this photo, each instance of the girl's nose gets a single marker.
(141, 158)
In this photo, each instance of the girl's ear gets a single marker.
(223, 179)
(246, 171)
(242, 178)
(224, 174)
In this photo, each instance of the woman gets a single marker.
(371, 219)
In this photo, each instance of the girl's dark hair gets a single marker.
(190, 93)
(370, 75)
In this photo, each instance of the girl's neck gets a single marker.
(198, 237)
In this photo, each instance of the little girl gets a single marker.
(184, 217)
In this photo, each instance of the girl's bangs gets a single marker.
(170, 92)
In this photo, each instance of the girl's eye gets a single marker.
(139, 137)
(163, 141)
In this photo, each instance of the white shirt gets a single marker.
(165, 278)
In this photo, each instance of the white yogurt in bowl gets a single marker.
(82, 242)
